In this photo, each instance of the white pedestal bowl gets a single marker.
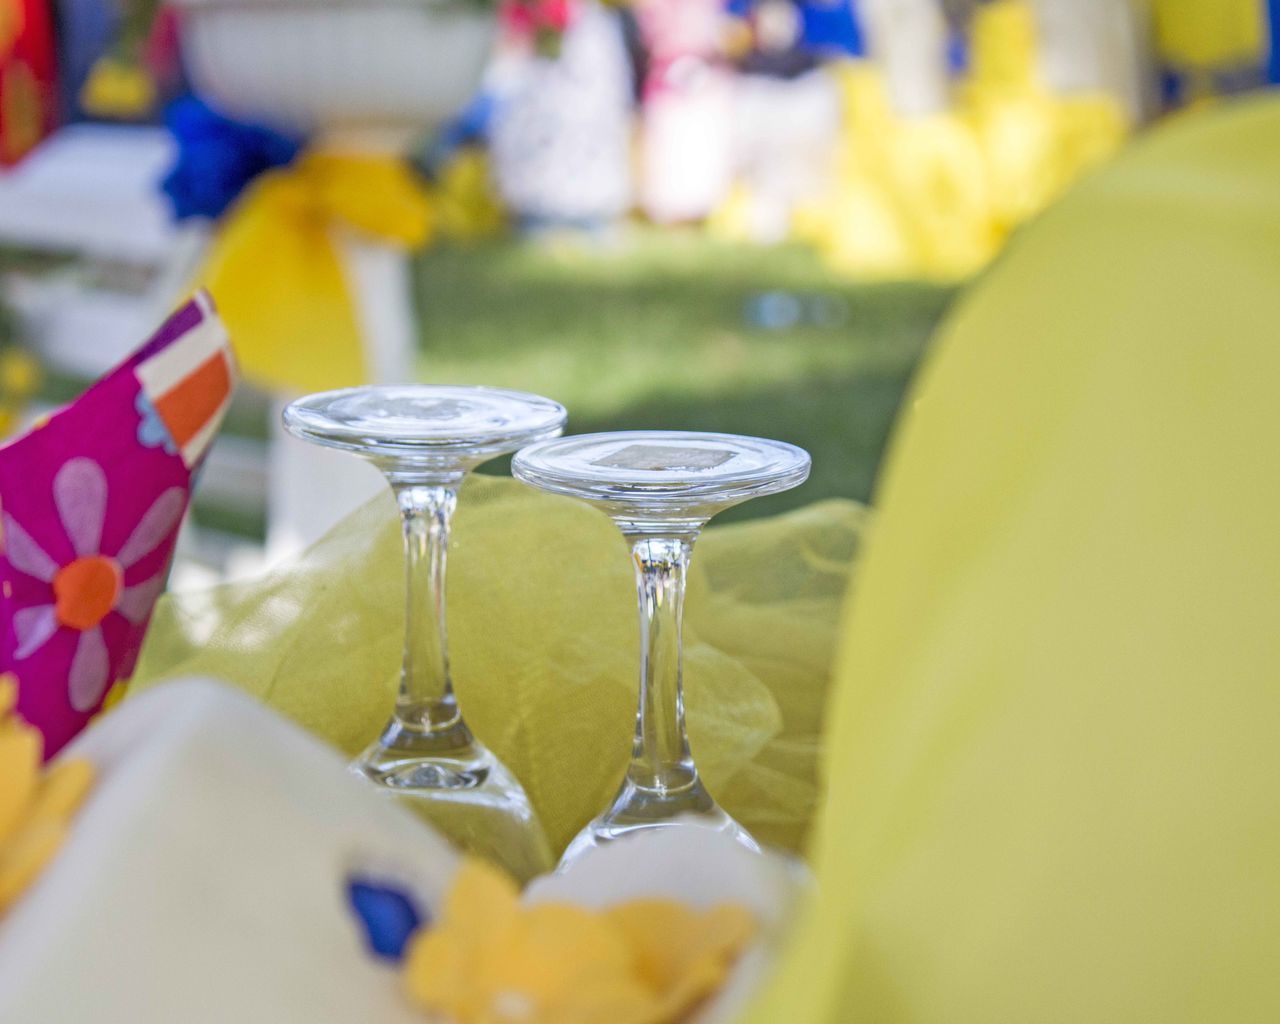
(317, 67)
(351, 76)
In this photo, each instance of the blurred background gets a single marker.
(736, 215)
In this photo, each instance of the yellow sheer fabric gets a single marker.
(1052, 753)
(543, 636)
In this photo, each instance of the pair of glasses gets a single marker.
(659, 487)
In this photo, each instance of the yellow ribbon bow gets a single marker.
(278, 276)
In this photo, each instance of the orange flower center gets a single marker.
(86, 590)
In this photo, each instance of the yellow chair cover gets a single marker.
(1034, 143)
(544, 640)
(277, 276)
(910, 198)
(1053, 758)
(935, 196)
(1218, 34)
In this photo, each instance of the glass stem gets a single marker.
(426, 703)
(660, 758)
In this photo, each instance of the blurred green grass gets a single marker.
(653, 332)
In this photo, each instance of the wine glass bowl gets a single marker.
(660, 488)
(654, 480)
(447, 429)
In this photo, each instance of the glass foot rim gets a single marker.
(565, 466)
(535, 418)
(601, 832)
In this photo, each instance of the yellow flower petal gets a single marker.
(443, 963)
(20, 751)
(490, 960)
(25, 856)
(482, 897)
(34, 806)
(600, 1002)
(551, 948)
(683, 953)
(439, 975)
(8, 695)
(63, 789)
(114, 697)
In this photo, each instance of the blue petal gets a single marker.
(152, 433)
(389, 914)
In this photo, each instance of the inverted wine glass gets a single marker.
(660, 488)
(425, 439)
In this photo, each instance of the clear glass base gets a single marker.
(465, 793)
(660, 488)
(638, 809)
(425, 439)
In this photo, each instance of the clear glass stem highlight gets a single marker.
(426, 703)
(660, 758)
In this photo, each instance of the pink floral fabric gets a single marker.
(90, 506)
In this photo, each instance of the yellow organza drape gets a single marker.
(1053, 761)
(543, 637)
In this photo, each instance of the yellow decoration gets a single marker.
(35, 808)
(681, 952)
(25, 855)
(542, 636)
(114, 696)
(118, 88)
(1034, 143)
(63, 788)
(737, 38)
(934, 196)
(491, 960)
(1003, 47)
(943, 195)
(277, 276)
(731, 220)
(1052, 753)
(19, 378)
(1222, 34)
(911, 194)
(19, 373)
(467, 205)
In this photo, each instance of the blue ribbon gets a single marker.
(217, 158)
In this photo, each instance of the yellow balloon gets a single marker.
(1052, 756)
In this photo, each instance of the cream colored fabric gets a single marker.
(205, 878)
